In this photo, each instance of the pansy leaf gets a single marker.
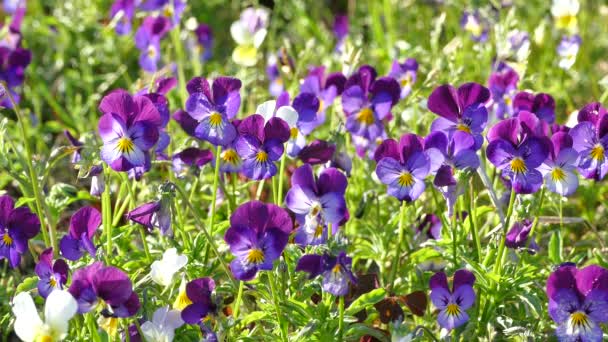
(365, 301)
(28, 284)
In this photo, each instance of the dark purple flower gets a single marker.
(191, 157)
(162, 105)
(517, 236)
(275, 87)
(257, 235)
(430, 226)
(105, 288)
(474, 25)
(541, 104)
(317, 152)
(128, 128)
(126, 10)
(170, 9)
(452, 304)
(403, 166)
(212, 108)
(52, 275)
(461, 109)
(326, 88)
(590, 140)
(152, 215)
(578, 302)
(503, 85)
(558, 169)
(204, 37)
(147, 40)
(12, 71)
(367, 101)
(83, 226)
(17, 226)
(260, 145)
(340, 29)
(335, 270)
(199, 293)
(405, 73)
(316, 202)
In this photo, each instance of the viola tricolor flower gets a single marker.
(472, 23)
(190, 157)
(403, 166)
(260, 145)
(405, 73)
(129, 129)
(17, 226)
(340, 29)
(541, 104)
(156, 214)
(162, 326)
(213, 108)
(199, 293)
(317, 152)
(517, 236)
(326, 88)
(83, 226)
(249, 33)
(518, 43)
(52, 275)
(430, 226)
(367, 101)
(204, 37)
(567, 50)
(126, 10)
(147, 40)
(335, 270)
(564, 12)
(503, 85)
(105, 288)
(578, 302)
(316, 202)
(13, 62)
(257, 235)
(461, 109)
(163, 270)
(171, 9)
(558, 169)
(590, 140)
(452, 304)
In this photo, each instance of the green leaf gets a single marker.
(23, 201)
(253, 317)
(555, 247)
(425, 254)
(365, 301)
(356, 331)
(28, 284)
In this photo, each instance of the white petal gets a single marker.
(27, 322)
(258, 37)
(288, 114)
(60, 307)
(240, 34)
(266, 109)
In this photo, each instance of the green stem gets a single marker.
(505, 228)
(473, 221)
(259, 190)
(281, 173)
(179, 54)
(454, 243)
(239, 297)
(106, 212)
(142, 234)
(341, 320)
(538, 210)
(277, 307)
(399, 243)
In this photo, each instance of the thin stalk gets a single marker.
(281, 173)
(399, 243)
(277, 307)
(473, 221)
(239, 297)
(538, 210)
(505, 228)
(106, 213)
(216, 180)
(179, 54)
(561, 213)
(341, 320)
(259, 190)
(454, 244)
(142, 234)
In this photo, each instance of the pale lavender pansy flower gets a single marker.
(452, 304)
(590, 140)
(53, 275)
(558, 169)
(335, 270)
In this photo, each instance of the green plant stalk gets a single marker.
(453, 228)
(239, 297)
(341, 319)
(505, 228)
(216, 179)
(540, 206)
(399, 243)
(106, 212)
(179, 54)
(277, 306)
(281, 173)
(473, 222)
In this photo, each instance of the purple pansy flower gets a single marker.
(558, 169)
(17, 226)
(152, 215)
(83, 226)
(257, 235)
(260, 145)
(147, 40)
(76, 144)
(405, 73)
(367, 101)
(568, 49)
(403, 166)
(590, 140)
(213, 108)
(199, 293)
(452, 304)
(126, 10)
(275, 86)
(171, 9)
(105, 288)
(317, 152)
(541, 104)
(316, 202)
(52, 275)
(12, 71)
(517, 236)
(461, 109)
(340, 29)
(335, 270)
(578, 302)
(474, 25)
(326, 88)
(503, 85)
(204, 37)
(190, 157)
(430, 226)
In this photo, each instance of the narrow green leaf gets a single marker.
(365, 301)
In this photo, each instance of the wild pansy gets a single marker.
(452, 304)
(405, 73)
(558, 168)
(249, 33)
(403, 166)
(171, 9)
(517, 236)
(104, 288)
(340, 30)
(461, 109)
(257, 235)
(123, 11)
(335, 270)
(128, 128)
(147, 40)
(13, 63)
(367, 101)
(52, 275)
(204, 38)
(261, 144)
(163, 270)
(59, 308)
(162, 326)
(429, 225)
(564, 12)
(472, 22)
(541, 104)
(213, 108)
(199, 292)
(590, 140)
(316, 202)
(190, 157)
(17, 226)
(517, 152)
(326, 88)
(567, 50)
(317, 152)
(518, 44)
(275, 85)
(503, 85)
(161, 103)
(155, 214)
(578, 302)
(83, 226)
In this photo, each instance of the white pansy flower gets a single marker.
(163, 325)
(296, 139)
(164, 269)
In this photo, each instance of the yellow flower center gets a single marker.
(44, 338)
(293, 132)
(53, 282)
(7, 240)
(508, 100)
(406, 179)
(255, 256)
(151, 51)
(452, 309)
(261, 156)
(321, 105)
(215, 119)
(463, 127)
(230, 156)
(337, 269)
(168, 11)
(518, 165)
(366, 116)
(109, 325)
(558, 174)
(473, 27)
(579, 319)
(125, 145)
(566, 21)
(597, 152)
(315, 209)
(318, 231)
(406, 80)
(182, 301)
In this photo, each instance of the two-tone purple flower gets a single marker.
(558, 168)
(17, 226)
(191, 157)
(567, 50)
(503, 85)
(340, 30)
(590, 140)
(204, 38)
(316, 202)
(52, 275)
(541, 104)
(199, 292)
(147, 40)
(170, 9)
(335, 270)
(257, 235)
(126, 10)
(83, 226)
(475, 25)
(517, 236)
(260, 145)
(129, 129)
(13, 62)
(452, 304)
(326, 88)
(578, 302)
(156, 214)
(429, 225)
(403, 166)
(405, 73)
